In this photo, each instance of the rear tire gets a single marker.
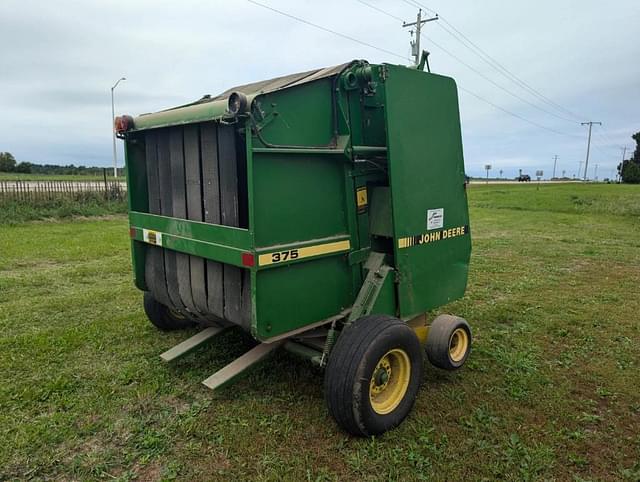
(163, 317)
(373, 375)
(448, 342)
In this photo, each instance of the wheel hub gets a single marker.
(389, 381)
(458, 344)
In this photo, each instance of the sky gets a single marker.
(60, 59)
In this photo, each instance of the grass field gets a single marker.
(551, 390)
(87, 204)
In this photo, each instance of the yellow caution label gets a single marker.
(152, 237)
(432, 237)
(299, 253)
(361, 199)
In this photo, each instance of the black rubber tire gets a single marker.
(439, 342)
(162, 317)
(350, 368)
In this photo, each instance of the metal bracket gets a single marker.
(370, 289)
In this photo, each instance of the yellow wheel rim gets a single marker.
(458, 344)
(389, 381)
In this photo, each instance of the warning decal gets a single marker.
(435, 219)
(152, 237)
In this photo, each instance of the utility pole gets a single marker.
(624, 154)
(595, 173)
(113, 128)
(586, 162)
(415, 44)
(555, 160)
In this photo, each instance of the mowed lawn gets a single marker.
(551, 389)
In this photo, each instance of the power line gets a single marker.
(505, 73)
(325, 29)
(380, 10)
(477, 50)
(470, 67)
(514, 114)
(490, 80)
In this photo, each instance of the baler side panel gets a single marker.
(137, 199)
(299, 198)
(426, 170)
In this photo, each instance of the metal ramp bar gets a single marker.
(190, 344)
(239, 365)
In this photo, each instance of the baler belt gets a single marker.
(229, 215)
(166, 205)
(192, 171)
(154, 263)
(211, 200)
(178, 188)
(193, 174)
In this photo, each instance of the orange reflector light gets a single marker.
(132, 232)
(248, 259)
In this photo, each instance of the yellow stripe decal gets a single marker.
(305, 252)
(432, 236)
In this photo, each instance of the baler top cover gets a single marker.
(210, 108)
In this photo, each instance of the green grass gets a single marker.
(17, 176)
(88, 203)
(550, 390)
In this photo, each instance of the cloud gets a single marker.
(60, 59)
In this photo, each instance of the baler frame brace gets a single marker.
(296, 342)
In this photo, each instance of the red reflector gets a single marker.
(248, 259)
(132, 233)
(123, 123)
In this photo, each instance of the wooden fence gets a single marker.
(51, 190)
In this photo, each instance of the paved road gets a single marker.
(511, 181)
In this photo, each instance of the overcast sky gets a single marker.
(59, 60)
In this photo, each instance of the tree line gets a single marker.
(8, 163)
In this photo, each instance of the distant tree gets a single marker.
(630, 172)
(629, 169)
(7, 162)
(23, 167)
